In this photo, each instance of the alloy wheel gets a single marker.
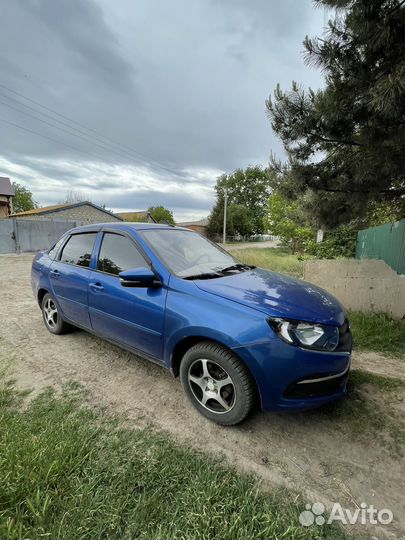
(211, 386)
(50, 313)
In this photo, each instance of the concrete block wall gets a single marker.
(363, 285)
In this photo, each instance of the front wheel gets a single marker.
(52, 318)
(217, 383)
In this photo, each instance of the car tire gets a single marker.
(217, 383)
(52, 318)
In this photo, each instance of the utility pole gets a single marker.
(225, 205)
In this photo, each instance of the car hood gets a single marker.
(277, 295)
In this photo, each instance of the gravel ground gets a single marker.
(308, 452)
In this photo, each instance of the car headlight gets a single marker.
(308, 335)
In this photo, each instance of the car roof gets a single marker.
(126, 226)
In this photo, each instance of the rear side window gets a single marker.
(117, 254)
(54, 249)
(78, 249)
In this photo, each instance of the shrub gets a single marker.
(341, 242)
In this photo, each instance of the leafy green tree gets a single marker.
(380, 213)
(287, 220)
(161, 214)
(242, 220)
(239, 220)
(249, 188)
(346, 142)
(23, 199)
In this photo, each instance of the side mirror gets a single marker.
(139, 277)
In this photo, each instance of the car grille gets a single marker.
(316, 389)
(345, 338)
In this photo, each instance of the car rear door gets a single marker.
(69, 275)
(131, 316)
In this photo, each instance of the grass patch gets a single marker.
(383, 383)
(276, 259)
(378, 332)
(371, 411)
(68, 471)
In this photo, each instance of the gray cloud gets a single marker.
(179, 85)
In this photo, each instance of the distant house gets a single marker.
(140, 216)
(7, 193)
(200, 226)
(85, 211)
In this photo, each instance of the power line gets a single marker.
(67, 118)
(65, 130)
(47, 116)
(50, 138)
(143, 157)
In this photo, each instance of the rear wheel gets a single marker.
(52, 318)
(217, 383)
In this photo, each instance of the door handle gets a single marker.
(54, 273)
(96, 287)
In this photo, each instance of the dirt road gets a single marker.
(310, 452)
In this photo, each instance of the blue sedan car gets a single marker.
(232, 332)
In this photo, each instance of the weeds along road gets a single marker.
(331, 455)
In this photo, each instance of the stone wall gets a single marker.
(366, 285)
(84, 213)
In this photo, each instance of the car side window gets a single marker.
(118, 253)
(54, 249)
(78, 249)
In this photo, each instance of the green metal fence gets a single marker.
(386, 242)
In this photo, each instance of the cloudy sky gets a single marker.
(134, 103)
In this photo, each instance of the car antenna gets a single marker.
(149, 216)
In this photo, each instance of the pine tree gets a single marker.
(346, 142)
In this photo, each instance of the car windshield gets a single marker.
(190, 255)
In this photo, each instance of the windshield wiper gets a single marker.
(205, 275)
(238, 266)
(219, 272)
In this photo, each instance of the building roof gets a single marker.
(6, 187)
(200, 223)
(130, 216)
(60, 207)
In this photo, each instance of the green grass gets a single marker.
(378, 332)
(358, 377)
(276, 259)
(69, 471)
(371, 412)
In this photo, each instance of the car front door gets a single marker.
(131, 316)
(69, 275)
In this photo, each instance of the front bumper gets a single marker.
(290, 378)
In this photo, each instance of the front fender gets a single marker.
(191, 312)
